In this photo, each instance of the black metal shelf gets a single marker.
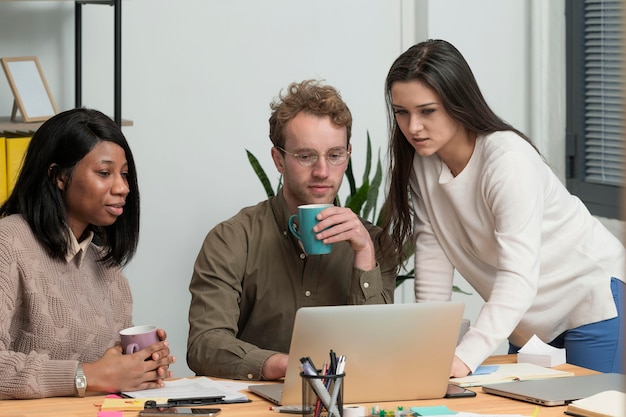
(117, 64)
(9, 125)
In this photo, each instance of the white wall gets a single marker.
(203, 74)
(198, 77)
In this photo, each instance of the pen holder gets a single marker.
(322, 395)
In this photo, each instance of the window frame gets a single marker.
(601, 199)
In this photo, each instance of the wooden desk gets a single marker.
(482, 403)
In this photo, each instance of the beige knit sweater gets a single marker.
(53, 314)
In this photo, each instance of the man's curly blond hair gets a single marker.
(310, 96)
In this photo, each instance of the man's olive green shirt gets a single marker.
(251, 276)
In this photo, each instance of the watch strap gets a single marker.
(80, 380)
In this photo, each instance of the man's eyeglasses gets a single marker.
(335, 156)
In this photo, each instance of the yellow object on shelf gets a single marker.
(4, 194)
(15, 150)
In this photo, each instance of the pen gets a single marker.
(291, 409)
(182, 402)
(307, 366)
(331, 406)
(195, 401)
(318, 404)
(333, 362)
(178, 402)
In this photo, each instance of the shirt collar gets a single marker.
(280, 209)
(78, 250)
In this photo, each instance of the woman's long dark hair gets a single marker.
(54, 150)
(439, 66)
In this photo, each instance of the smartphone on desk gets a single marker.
(454, 391)
(184, 411)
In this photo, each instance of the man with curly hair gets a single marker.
(252, 274)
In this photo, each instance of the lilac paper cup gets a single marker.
(137, 338)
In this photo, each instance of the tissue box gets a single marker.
(537, 352)
(548, 360)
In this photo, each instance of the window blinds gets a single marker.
(603, 92)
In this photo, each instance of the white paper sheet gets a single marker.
(194, 388)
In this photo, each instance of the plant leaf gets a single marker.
(368, 159)
(372, 196)
(356, 201)
(401, 278)
(350, 176)
(455, 288)
(260, 173)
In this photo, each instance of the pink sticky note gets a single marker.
(110, 414)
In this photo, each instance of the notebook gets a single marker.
(509, 372)
(558, 391)
(610, 403)
(394, 352)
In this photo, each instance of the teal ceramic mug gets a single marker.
(304, 232)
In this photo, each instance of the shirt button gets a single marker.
(366, 285)
(307, 293)
(302, 256)
(249, 376)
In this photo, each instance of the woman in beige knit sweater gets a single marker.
(68, 227)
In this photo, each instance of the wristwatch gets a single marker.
(81, 380)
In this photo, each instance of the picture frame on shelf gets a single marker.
(32, 96)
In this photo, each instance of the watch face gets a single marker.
(80, 381)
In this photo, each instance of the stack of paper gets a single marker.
(602, 404)
(193, 388)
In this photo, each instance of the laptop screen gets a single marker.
(393, 351)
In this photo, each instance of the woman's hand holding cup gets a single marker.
(139, 361)
(138, 338)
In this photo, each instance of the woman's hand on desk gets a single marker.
(459, 369)
(144, 369)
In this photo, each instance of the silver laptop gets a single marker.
(558, 391)
(394, 352)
